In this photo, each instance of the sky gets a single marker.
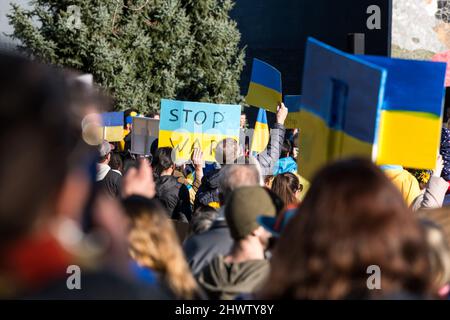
(4, 25)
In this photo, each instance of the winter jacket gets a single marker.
(405, 182)
(432, 196)
(175, 198)
(200, 249)
(109, 180)
(227, 281)
(208, 192)
(270, 156)
(284, 165)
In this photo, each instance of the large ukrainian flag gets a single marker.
(261, 133)
(411, 114)
(112, 129)
(265, 86)
(340, 105)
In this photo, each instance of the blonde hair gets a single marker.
(439, 253)
(153, 244)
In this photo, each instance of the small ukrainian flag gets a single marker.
(261, 133)
(112, 129)
(265, 86)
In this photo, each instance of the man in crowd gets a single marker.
(107, 179)
(244, 268)
(202, 248)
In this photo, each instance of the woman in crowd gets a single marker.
(173, 195)
(352, 221)
(287, 186)
(439, 254)
(154, 246)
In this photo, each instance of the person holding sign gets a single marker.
(228, 151)
(173, 195)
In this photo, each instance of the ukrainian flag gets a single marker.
(261, 133)
(112, 129)
(411, 114)
(265, 86)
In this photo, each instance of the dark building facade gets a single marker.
(276, 31)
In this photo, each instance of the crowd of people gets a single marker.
(243, 227)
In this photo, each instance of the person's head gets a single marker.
(153, 244)
(439, 254)
(243, 120)
(104, 152)
(287, 186)
(202, 219)
(286, 149)
(45, 169)
(162, 162)
(116, 162)
(236, 176)
(352, 219)
(242, 209)
(227, 151)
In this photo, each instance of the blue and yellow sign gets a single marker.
(188, 125)
(265, 89)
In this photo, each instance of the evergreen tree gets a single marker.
(139, 50)
(217, 62)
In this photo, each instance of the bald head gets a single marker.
(236, 176)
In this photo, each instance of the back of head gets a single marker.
(286, 186)
(236, 176)
(40, 138)
(227, 151)
(439, 253)
(153, 244)
(286, 149)
(116, 162)
(162, 160)
(202, 219)
(352, 218)
(243, 207)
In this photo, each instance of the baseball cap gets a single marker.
(243, 207)
(104, 148)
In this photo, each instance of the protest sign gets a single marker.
(265, 86)
(188, 125)
(145, 132)
(368, 106)
(293, 103)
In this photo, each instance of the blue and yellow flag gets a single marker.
(112, 129)
(387, 110)
(261, 133)
(411, 113)
(339, 107)
(265, 86)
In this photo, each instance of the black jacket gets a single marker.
(175, 198)
(208, 191)
(200, 249)
(111, 183)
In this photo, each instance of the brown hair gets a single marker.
(285, 186)
(351, 218)
(153, 244)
